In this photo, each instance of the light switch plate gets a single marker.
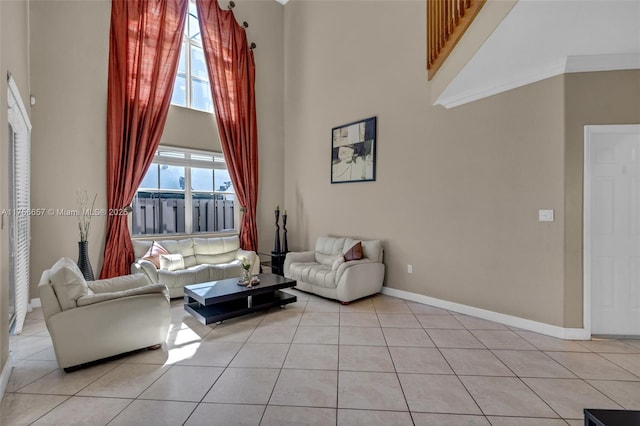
(545, 215)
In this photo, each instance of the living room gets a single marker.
(457, 191)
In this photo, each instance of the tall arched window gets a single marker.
(192, 89)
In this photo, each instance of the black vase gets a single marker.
(83, 260)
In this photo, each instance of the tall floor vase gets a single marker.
(83, 260)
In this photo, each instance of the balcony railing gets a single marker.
(447, 20)
(164, 213)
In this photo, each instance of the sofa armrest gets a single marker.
(359, 278)
(297, 256)
(147, 268)
(343, 267)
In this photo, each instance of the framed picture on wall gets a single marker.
(353, 152)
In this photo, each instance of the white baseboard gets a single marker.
(510, 320)
(35, 303)
(4, 376)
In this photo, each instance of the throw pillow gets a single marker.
(153, 255)
(354, 253)
(171, 262)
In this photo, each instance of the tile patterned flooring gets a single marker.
(379, 361)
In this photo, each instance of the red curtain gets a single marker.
(231, 68)
(144, 48)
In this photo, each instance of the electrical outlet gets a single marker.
(410, 269)
(545, 215)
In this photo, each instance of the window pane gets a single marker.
(223, 181)
(212, 213)
(171, 177)
(204, 214)
(150, 180)
(182, 64)
(201, 96)
(198, 65)
(157, 213)
(201, 179)
(194, 26)
(179, 95)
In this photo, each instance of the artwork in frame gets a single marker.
(353, 152)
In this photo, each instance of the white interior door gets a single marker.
(612, 228)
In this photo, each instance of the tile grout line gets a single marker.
(275, 383)
(404, 395)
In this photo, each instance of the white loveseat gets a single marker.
(91, 320)
(325, 272)
(200, 260)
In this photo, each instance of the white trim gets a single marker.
(589, 131)
(495, 87)
(4, 376)
(35, 302)
(510, 320)
(589, 63)
(569, 64)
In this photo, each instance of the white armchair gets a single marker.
(325, 272)
(91, 320)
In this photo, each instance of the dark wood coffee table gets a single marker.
(594, 417)
(217, 301)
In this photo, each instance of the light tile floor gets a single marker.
(378, 361)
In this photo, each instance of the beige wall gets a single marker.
(14, 58)
(457, 191)
(69, 57)
(70, 45)
(590, 98)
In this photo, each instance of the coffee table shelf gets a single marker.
(220, 300)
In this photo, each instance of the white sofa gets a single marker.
(203, 259)
(91, 320)
(325, 272)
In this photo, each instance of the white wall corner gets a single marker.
(35, 303)
(509, 320)
(4, 376)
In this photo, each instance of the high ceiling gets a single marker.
(542, 38)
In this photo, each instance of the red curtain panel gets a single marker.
(144, 48)
(231, 69)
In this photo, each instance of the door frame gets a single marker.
(589, 132)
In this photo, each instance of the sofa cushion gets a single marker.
(171, 262)
(372, 250)
(313, 273)
(68, 283)
(180, 278)
(328, 249)
(124, 282)
(184, 247)
(153, 255)
(354, 253)
(140, 247)
(215, 250)
(92, 298)
(222, 271)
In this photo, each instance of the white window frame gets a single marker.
(192, 158)
(185, 48)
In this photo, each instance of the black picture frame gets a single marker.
(353, 152)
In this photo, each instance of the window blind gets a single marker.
(19, 195)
